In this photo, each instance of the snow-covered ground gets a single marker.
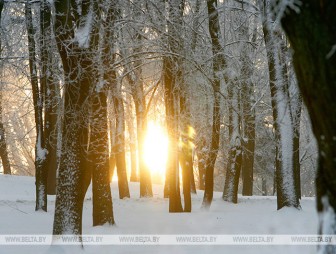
(254, 215)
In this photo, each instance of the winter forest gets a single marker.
(194, 111)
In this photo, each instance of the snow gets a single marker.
(252, 215)
(282, 6)
(82, 35)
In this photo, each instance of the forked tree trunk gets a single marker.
(312, 35)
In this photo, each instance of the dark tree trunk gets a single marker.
(41, 172)
(248, 110)
(3, 145)
(185, 155)
(264, 186)
(49, 88)
(110, 76)
(74, 173)
(99, 159)
(132, 145)
(312, 35)
(141, 119)
(120, 154)
(172, 128)
(172, 74)
(218, 67)
(201, 157)
(296, 115)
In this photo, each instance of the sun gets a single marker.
(156, 151)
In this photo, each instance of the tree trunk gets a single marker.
(201, 157)
(132, 143)
(312, 35)
(120, 143)
(296, 107)
(41, 172)
(172, 129)
(172, 76)
(186, 150)
(110, 76)
(49, 91)
(230, 192)
(283, 127)
(141, 119)
(218, 67)
(99, 159)
(248, 110)
(3, 145)
(74, 172)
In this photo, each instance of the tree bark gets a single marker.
(218, 67)
(312, 35)
(99, 159)
(49, 90)
(3, 144)
(41, 172)
(248, 110)
(230, 192)
(120, 154)
(110, 76)
(283, 126)
(74, 171)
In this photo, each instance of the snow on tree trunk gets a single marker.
(218, 68)
(41, 172)
(283, 126)
(230, 192)
(50, 93)
(74, 173)
(99, 160)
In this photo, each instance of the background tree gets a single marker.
(41, 172)
(283, 126)
(219, 64)
(3, 145)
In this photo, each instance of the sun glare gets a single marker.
(156, 150)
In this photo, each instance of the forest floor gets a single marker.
(134, 216)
